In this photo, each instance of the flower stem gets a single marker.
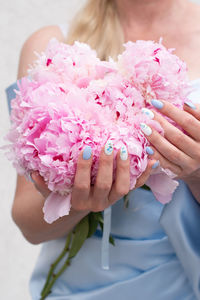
(126, 200)
(47, 291)
(53, 266)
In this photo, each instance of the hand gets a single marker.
(177, 151)
(104, 192)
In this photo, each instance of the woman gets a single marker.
(156, 253)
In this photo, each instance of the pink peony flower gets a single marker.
(155, 71)
(72, 99)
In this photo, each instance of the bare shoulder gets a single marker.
(193, 14)
(37, 41)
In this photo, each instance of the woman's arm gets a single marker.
(28, 202)
(28, 215)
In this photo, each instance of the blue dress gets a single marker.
(156, 256)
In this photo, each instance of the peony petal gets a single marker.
(56, 206)
(162, 186)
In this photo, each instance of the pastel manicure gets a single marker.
(148, 112)
(157, 163)
(123, 153)
(149, 150)
(145, 129)
(30, 178)
(108, 148)
(190, 104)
(157, 104)
(87, 152)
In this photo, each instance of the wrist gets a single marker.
(192, 180)
(193, 185)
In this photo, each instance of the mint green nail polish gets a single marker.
(146, 129)
(123, 153)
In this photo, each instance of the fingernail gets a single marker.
(30, 178)
(157, 163)
(148, 112)
(87, 152)
(123, 153)
(108, 147)
(145, 129)
(149, 150)
(190, 104)
(157, 104)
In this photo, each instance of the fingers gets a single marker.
(40, 184)
(164, 147)
(183, 118)
(193, 109)
(81, 188)
(164, 162)
(104, 178)
(176, 149)
(178, 138)
(121, 185)
(104, 192)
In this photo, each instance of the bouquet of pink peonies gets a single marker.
(72, 99)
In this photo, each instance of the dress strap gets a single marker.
(105, 239)
(64, 29)
(10, 93)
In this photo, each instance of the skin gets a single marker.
(140, 19)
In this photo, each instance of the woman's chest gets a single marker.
(185, 42)
(188, 49)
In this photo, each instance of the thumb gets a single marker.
(40, 184)
(145, 175)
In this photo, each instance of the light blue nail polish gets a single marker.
(30, 178)
(157, 104)
(87, 152)
(149, 150)
(190, 104)
(156, 164)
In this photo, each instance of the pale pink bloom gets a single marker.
(72, 99)
(155, 71)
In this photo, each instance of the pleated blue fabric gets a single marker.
(156, 256)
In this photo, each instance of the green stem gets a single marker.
(53, 266)
(48, 289)
(126, 200)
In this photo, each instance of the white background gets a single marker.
(18, 19)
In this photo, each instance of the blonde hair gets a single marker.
(97, 24)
